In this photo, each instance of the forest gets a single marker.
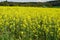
(34, 4)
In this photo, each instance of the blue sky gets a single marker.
(28, 0)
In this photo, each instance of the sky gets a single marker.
(28, 0)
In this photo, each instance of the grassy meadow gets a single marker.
(29, 23)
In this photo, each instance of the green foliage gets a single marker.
(33, 4)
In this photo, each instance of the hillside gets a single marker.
(36, 4)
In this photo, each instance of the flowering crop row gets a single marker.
(29, 23)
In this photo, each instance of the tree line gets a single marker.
(35, 4)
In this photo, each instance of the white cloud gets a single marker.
(45, 0)
(29, 0)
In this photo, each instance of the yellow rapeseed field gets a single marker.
(29, 23)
